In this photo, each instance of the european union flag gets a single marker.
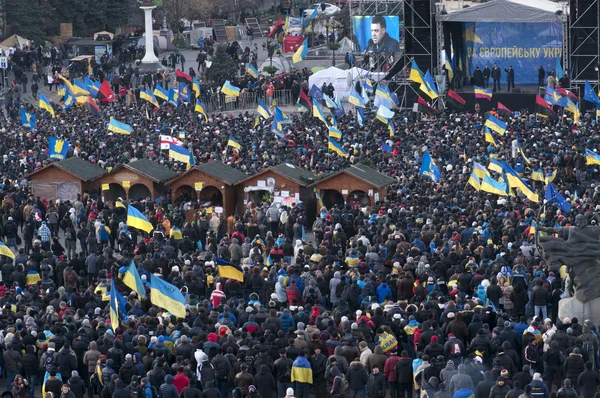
(27, 119)
(58, 148)
(590, 95)
(552, 195)
(429, 168)
(316, 93)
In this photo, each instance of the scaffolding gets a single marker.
(584, 41)
(416, 40)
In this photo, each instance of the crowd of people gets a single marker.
(436, 290)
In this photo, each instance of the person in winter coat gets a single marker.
(120, 390)
(377, 384)
(430, 388)
(404, 375)
(66, 360)
(538, 388)
(574, 366)
(377, 359)
(461, 380)
(20, 387)
(457, 327)
(553, 360)
(286, 321)
(53, 384)
(265, 383)
(357, 378)
(500, 389)
(448, 372)
(588, 381)
(434, 348)
(13, 361)
(567, 391)
(77, 385)
(167, 389)
(31, 369)
(128, 370)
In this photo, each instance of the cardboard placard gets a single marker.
(198, 186)
(106, 187)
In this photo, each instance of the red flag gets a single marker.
(504, 111)
(454, 100)
(276, 28)
(305, 102)
(543, 108)
(426, 108)
(182, 77)
(90, 105)
(105, 93)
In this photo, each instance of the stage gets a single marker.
(519, 98)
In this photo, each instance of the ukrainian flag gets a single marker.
(118, 127)
(195, 87)
(537, 175)
(252, 71)
(118, 203)
(32, 278)
(229, 89)
(232, 142)
(496, 165)
(550, 177)
(516, 182)
(480, 170)
(301, 53)
(523, 154)
(318, 112)
(76, 90)
(5, 251)
(334, 132)
(114, 307)
(148, 96)
(229, 270)
(360, 116)
(161, 92)
(368, 86)
(474, 181)
(200, 108)
(269, 261)
(428, 86)
(355, 99)
(167, 296)
(391, 128)
(45, 104)
(181, 135)
(492, 186)
(91, 86)
(488, 137)
(449, 70)
(495, 124)
(301, 370)
(180, 154)
(135, 219)
(384, 114)
(591, 157)
(337, 148)
(81, 87)
(415, 73)
(263, 110)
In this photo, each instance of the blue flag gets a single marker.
(27, 119)
(560, 73)
(316, 93)
(552, 195)
(429, 168)
(57, 149)
(590, 95)
(386, 148)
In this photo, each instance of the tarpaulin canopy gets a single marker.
(16, 41)
(527, 11)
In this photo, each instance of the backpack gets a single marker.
(49, 362)
(587, 345)
(221, 370)
(71, 278)
(344, 386)
(455, 349)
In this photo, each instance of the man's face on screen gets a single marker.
(377, 33)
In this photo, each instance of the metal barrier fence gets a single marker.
(246, 101)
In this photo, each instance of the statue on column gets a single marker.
(578, 248)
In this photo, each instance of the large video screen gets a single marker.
(378, 34)
(524, 46)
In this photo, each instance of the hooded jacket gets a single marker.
(461, 380)
(167, 389)
(357, 376)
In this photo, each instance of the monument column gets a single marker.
(150, 61)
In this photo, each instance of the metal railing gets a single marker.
(246, 101)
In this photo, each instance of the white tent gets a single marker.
(282, 64)
(335, 76)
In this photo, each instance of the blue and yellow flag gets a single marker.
(229, 270)
(489, 137)
(232, 142)
(92, 86)
(281, 118)
(57, 149)
(429, 168)
(200, 109)
(488, 184)
(61, 90)
(591, 157)
(384, 114)
(318, 112)
(337, 148)
(181, 154)
(301, 53)
(368, 86)
(495, 124)
(184, 92)
(252, 71)
(45, 104)
(161, 92)
(147, 95)
(356, 99)
(474, 181)
(27, 119)
(301, 370)
(32, 277)
(334, 132)
(537, 175)
(483, 93)
(118, 127)
(360, 116)
(81, 88)
(415, 73)
(114, 307)
(5, 251)
(496, 165)
(132, 279)
(229, 89)
(479, 170)
(173, 97)
(167, 296)
(270, 261)
(550, 177)
(263, 110)
(68, 100)
(391, 128)
(195, 87)
(135, 219)
(428, 86)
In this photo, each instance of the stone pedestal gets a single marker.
(150, 61)
(572, 307)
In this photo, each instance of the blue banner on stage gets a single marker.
(524, 46)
